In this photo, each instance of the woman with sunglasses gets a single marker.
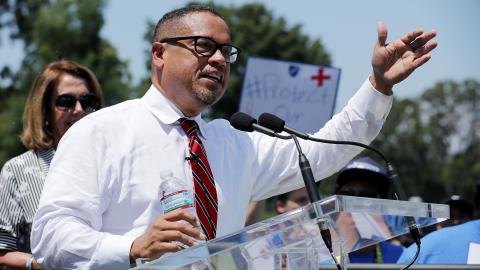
(62, 93)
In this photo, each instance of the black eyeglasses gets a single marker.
(89, 102)
(207, 47)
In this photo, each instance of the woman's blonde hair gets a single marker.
(37, 133)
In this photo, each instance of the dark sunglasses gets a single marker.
(89, 102)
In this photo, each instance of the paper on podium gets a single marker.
(369, 227)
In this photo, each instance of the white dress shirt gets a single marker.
(101, 190)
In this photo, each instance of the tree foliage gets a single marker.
(434, 140)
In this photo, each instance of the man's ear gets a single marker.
(280, 207)
(158, 49)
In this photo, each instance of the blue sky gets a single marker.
(346, 28)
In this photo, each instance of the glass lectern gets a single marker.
(292, 240)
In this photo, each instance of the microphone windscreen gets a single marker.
(242, 121)
(271, 121)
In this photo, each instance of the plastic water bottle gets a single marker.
(174, 193)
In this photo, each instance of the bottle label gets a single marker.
(175, 200)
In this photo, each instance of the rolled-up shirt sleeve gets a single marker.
(67, 228)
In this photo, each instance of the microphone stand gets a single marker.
(314, 196)
(271, 124)
(278, 125)
(394, 178)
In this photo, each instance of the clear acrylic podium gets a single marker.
(292, 240)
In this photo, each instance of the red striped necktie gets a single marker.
(204, 185)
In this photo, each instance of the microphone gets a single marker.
(314, 196)
(276, 124)
(245, 122)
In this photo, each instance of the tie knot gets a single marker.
(189, 126)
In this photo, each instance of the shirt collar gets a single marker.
(165, 111)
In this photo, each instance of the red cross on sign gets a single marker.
(320, 77)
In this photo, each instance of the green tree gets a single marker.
(405, 143)
(257, 32)
(454, 110)
(434, 140)
(49, 31)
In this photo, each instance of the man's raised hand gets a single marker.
(395, 61)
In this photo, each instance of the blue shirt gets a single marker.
(446, 246)
(389, 254)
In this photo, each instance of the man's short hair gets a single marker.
(170, 21)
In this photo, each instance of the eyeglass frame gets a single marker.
(94, 107)
(218, 46)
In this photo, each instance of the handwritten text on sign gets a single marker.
(302, 94)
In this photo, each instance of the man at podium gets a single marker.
(99, 207)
